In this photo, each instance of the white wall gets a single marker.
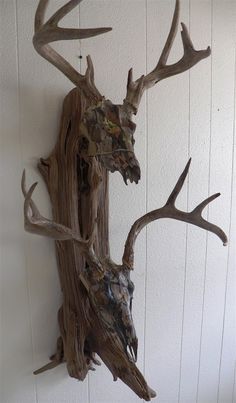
(185, 280)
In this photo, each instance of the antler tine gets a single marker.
(174, 194)
(59, 14)
(32, 205)
(199, 209)
(46, 32)
(170, 211)
(171, 37)
(162, 70)
(40, 14)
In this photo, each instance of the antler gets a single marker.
(35, 223)
(170, 211)
(135, 89)
(50, 32)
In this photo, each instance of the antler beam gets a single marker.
(135, 89)
(170, 211)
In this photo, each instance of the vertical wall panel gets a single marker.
(199, 146)
(168, 144)
(223, 59)
(228, 343)
(16, 345)
(234, 387)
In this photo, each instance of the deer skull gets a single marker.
(109, 131)
(111, 297)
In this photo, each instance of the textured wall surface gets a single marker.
(184, 304)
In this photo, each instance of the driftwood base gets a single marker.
(96, 314)
(78, 189)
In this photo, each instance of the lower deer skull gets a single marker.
(111, 297)
(108, 285)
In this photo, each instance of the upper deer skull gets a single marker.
(108, 128)
(110, 134)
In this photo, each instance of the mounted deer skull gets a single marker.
(95, 137)
(108, 127)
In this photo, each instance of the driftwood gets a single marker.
(95, 137)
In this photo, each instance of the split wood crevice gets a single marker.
(95, 137)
